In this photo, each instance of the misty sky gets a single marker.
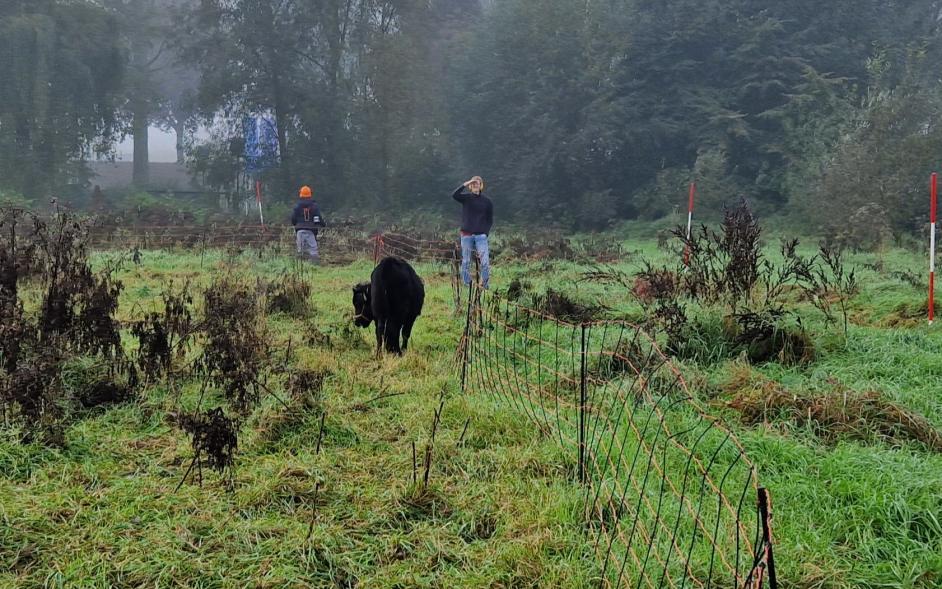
(163, 147)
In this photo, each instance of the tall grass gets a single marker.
(101, 512)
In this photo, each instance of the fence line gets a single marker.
(185, 237)
(439, 251)
(670, 497)
(338, 244)
(345, 239)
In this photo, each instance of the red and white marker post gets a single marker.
(258, 199)
(933, 210)
(693, 191)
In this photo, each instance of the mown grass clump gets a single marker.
(831, 415)
(560, 305)
(907, 314)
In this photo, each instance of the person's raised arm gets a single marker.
(460, 194)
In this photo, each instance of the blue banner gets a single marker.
(261, 143)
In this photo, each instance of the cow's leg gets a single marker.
(407, 333)
(393, 328)
(380, 330)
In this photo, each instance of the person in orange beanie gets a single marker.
(307, 219)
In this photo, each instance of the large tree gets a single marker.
(62, 71)
(354, 85)
(158, 87)
(576, 112)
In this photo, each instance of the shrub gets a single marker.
(163, 336)
(236, 349)
(290, 295)
(213, 435)
(75, 318)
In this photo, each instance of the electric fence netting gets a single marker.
(670, 497)
(435, 251)
(343, 241)
(338, 245)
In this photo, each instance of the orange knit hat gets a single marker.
(305, 192)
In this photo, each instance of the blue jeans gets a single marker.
(476, 243)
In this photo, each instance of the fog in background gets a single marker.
(162, 147)
(578, 114)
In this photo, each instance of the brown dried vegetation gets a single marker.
(831, 415)
(75, 318)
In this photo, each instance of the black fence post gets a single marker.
(456, 280)
(202, 247)
(466, 340)
(765, 513)
(582, 408)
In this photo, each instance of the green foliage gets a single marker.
(577, 114)
(880, 169)
(61, 70)
(15, 201)
(850, 511)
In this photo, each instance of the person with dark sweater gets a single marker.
(477, 217)
(307, 219)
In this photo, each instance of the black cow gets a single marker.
(393, 299)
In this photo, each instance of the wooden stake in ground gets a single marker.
(693, 192)
(933, 209)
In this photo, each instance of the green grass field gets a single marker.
(851, 510)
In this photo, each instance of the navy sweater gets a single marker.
(307, 216)
(477, 212)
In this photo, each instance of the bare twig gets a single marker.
(317, 485)
(464, 430)
(320, 434)
(429, 448)
(380, 397)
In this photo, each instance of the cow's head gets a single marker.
(361, 305)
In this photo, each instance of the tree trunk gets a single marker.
(281, 127)
(139, 129)
(179, 128)
(384, 157)
(340, 17)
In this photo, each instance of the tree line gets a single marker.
(577, 113)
